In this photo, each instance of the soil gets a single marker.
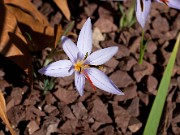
(62, 111)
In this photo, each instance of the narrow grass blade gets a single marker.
(156, 110)
(142, 48)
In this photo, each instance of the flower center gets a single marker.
(80, 66)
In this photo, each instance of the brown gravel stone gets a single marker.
(96, 125)
(124, 81)
(32, 112)
(173, 83)
(154, 12)
(176, 129)
(90, 9)
(66, 80)
(178, 57)
(16, 94)
(144, 97)
(99, 111)
(178, 97)
(69, 126)
(151, 47)
(160, 24)
(125, 37)
(66, 111)
(33, 98)
(129, 93)
(50, 99)
(141, 70)
(152, 58)
(1, 73)
(66, 96)
(10, 104)
(134, 125)
(173, 12)
(52, 126)
(109, 43)
(79, 111)
(107, 130)
(169, 35)
(81, 23)
(46, 9)
(40, 132)
(4, 84)
(176, 24)
(86, 94)
(122, 117)
(133, 108)
(54, 113)
(32, 127)
(166, 55)
(152, 84)
(1, 132)
(122, 52)
(105, 13)
(16, 114)
(176, 119)
(56, 19)
(49, 108)
(176, 70)
(127, 63)
(135, 45)
(112, 63)
(160, 7)
(105, 25)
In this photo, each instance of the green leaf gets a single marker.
(157, 108)
(130, 12)
(127, 19)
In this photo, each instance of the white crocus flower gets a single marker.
(143, 8)
(82, 63)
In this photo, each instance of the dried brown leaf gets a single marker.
(58, 33)
(12, 42)
(63, 6)
(3, 113)
(29, 7)
(41, 34)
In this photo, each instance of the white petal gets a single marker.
(70, 48)
(59, 68)
(142, 11)
(84, 43)
(101, 56)
(79, 83)
(100, 80)
(172, 3)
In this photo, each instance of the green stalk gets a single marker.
(142, 48)
(158, 104)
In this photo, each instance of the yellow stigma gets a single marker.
(79, 66)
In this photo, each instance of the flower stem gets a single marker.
(142, 48)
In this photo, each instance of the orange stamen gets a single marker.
(87, 77)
